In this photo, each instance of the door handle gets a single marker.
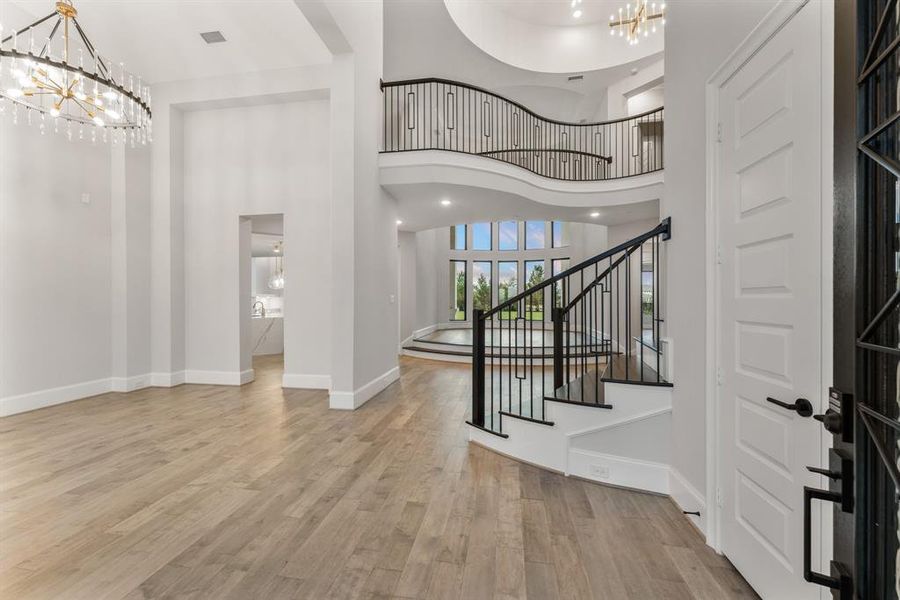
(831, 420)
(802, 406)
(841, 579)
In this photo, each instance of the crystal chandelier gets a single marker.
(49, 74)
(637, 20)
(276, 279)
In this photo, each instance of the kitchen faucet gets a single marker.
(262, 309)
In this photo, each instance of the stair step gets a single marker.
(588, 388)
(524, 418)
(621, 369)
(585, 390)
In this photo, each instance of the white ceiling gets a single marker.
(160, 39)
(556, 12)
(422, 40)
(543, 36)
(419, 207)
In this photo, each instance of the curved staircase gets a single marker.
(599, 410)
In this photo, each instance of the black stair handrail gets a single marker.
(432, 113)
(591, 304)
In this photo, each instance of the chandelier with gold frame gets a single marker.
(637, 20)
(50, 72)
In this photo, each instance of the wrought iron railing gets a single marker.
(603, 330)
(438, 114)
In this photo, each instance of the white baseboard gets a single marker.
(219, 377)
(12, 405)
(424, 331)
(353, 400)
(619, 470)
(304, 381)
(167, 379)
(130, 384)
(688, 498)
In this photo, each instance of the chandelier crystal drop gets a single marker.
(637, 20)
(51, 68)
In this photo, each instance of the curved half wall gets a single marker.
(479, 189)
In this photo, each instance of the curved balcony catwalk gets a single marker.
(439, 114)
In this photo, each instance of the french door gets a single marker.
(864, 413)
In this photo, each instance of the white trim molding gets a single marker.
(353, 400)
(621, 471)
(130, 384)
(219, 377)
(306, 381)
(12, 405)
(172, 379)
(688, 499)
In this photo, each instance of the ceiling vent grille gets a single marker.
(212, 37)
(576, 77)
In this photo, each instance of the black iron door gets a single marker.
(864, 410)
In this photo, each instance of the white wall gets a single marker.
(427, 259)
(365, 258)
(55, 261)
(645, 79)
(265, 159)
(646, 101)
(706, 33)
(72, 324)
(408, 296)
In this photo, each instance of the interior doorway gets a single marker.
(263, 282)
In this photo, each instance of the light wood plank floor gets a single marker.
(255, 492)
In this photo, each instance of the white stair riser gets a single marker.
(627, 401)
(551, 448)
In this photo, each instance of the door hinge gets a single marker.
(720, 500)
(719, 132)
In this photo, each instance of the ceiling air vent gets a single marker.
(213, 37)
(576, 77)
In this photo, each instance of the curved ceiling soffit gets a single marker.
(545, 45)
(430, 168)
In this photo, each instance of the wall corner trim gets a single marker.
(167, 379)
(306, 381)
(686, 497)
(353, 400)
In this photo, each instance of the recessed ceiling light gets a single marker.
(212, 37)
(445, 202)
(399, 222)
(577, 13)
(595, 214)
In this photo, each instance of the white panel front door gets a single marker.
(769, 322)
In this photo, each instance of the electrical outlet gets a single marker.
(599, 471)
(85, 198)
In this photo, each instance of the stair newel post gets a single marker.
(559, 317)
(478, 330)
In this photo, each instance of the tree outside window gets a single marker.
(508, 286)
(457, 290)
(481, 285)
(534, 303)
